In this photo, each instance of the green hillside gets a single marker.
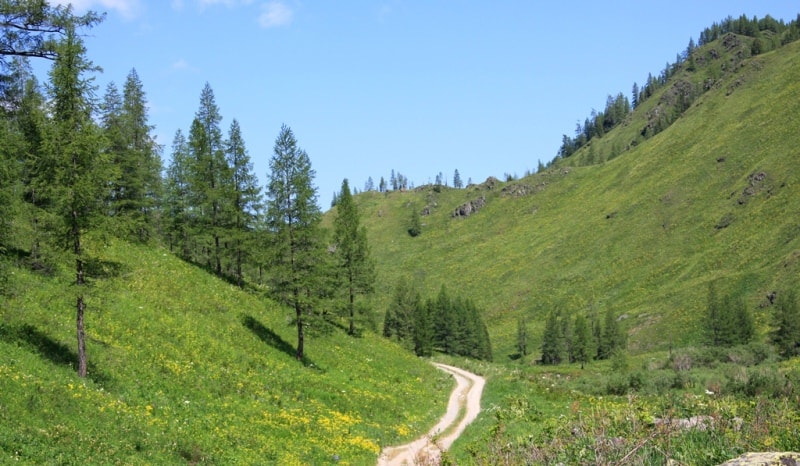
(712, 198)
(184, 367)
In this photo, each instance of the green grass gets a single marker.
(638, 233)
(185, 367)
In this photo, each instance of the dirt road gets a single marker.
(463, 408)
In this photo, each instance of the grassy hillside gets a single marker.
(713, 198)
(184, 367)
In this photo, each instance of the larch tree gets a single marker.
(81, 169)
(246, 198)
(34, 28)
(210, 176)
(457, 183)
(138, 192)
(399, 321)
(176, 199)
(293, 221)
(786, 335)
(582, 340)
(612, 339)
(356, 269)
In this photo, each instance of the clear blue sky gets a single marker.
(420, 87)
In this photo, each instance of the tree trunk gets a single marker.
(80, 306)
(352, 311)
(81, 338)
(300, 335)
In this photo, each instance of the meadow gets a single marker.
(183, 366)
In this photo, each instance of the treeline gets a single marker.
(578, 339)
(399, 182)
(767, 34)
(449, 325)
(726, 322)
(71, 164)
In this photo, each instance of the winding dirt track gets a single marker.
(427, 449)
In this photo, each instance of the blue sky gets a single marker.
(420, 87)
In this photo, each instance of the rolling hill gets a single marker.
(638, 225)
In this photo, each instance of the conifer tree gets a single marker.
(612, 339)
(786, 335)
(139, 190)
(210, 179)
(293, 219)
(552, 340)
(176, 201)
(81, 170)
(457, 183)
(582, 338)
(423, 328)
(399, 322)
(246, 198)
(356, 267)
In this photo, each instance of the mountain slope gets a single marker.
(186, 367)
(713, 197)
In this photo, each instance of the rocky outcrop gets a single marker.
(469, 208)
(765, 459)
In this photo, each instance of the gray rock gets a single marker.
(765, 459)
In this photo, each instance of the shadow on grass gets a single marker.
(29, 337)
(273, 339)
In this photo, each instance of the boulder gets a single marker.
(469, 208)
(765, 459)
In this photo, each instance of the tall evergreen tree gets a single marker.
(457, 183)
(293, 219)
(553, 349)
(176, 201)
(138, 193)
(246, 198)
(612, 339)
(399, 322)
(210, 179)
(786, 335)
(81, 170)
(582, 339)
(356, 267)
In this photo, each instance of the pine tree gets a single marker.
(246, 198)
(786, 335)
(356, 267)
(612, 339)
(176, 201)
(293, 219)
(582, 339)
(210, 179)
(552, 340)
(399, 322)
(457, 183)
(423, 328)
(81, 171)
(141, 166)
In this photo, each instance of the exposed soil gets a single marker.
(463, 408)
